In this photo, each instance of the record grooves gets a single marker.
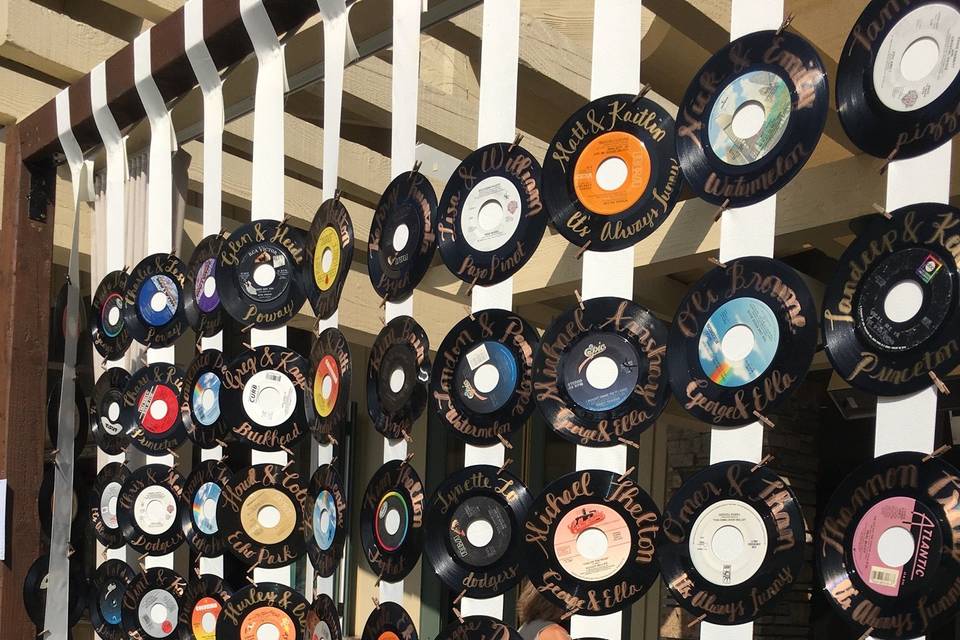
(147, 509)
(151, 408)
(153, 311)
(105, 598)
(200, 406)
(106, 424)
(198, 507)
(331, 374)
(202, 603)
(266, 603)
(330, 236)
(397, 375)
(150, 592)
(395, 492)
(35, 592)
(201, 302)
(107, 328)
(103, 504)
(325, 527)
(323, 619)
(482, 382)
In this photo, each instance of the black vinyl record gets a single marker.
(81, 417)
(331, 374)
(407, 212)
(152, 592)
(722, 379)
(329, 247)
(203, 602)
(397, 376)
(106, 423)
(391, 520)
(709, 569)
(600, 372)
(892, 356)
(325, 527)
(151, 408)
(780, 77)
(200, 406)
(491, 216)
(257, 537)
(478, 628)
(881, 109)
(323, 620)
(389, 621)
(198, 507)
(35, 592)
(639, 133)
(107, 327)
(45, 503)
(894, 595)
(148, 509)
(60, 328)
(103, 504)
(264, 603)
(265, 397)
(105, 598)
(258, 275)
(473, 526)
(482, 382)
(603, 506)
(153, 305)
(201, 302)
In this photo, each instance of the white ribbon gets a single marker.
(116, 152)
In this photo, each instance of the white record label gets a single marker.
(155, 510)
(491, 214)
(269, 398)
(934, 27)
(108, 504)
(728, 543)
(153, 603)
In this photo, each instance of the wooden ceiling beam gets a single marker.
(21, 95)
(152, 10)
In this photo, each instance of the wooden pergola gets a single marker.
(813, 214)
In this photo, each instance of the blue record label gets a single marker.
(486, 377)
(111, 601)
(750, 313)
(167, 288)
(206, 398)
(601, 371)
(324, 529)
(205, 507)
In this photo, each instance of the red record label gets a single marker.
(157, 408)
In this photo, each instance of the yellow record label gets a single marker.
(329, 241)
(615, 144)
(272, 525)
(327, 369)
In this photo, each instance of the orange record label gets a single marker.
(615, 144)
(388, 635)
(268, 616)
(204, 619)
(326, 369)
(605, 549)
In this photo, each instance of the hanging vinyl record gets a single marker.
(478, 628)
(81, 423)
(611, 174)
(391, 519)
(105, 411)
(152, 603)
(474, 527)
(153, 312)
(888, 101)
(890, 315)
(590, 540)
(741, 342)
(105, 598)
(203, 602)
(148, 509)
(261, 606)
(492, 219)
(331, 374)
(107, 328)
(201, 301)
(389, 621)
(325, 527)
(600, 372)
(61, 328)
(482, 386)
(198, 507)
(264, 508)
(397, 375)
(258, 275)
(323, 620)
(103, 504)
(264, 397)
(200, 400)
(35, 592)
(732, 542)
(402, 236)
(151, 408)
(45, 505)
(752, 117)
(888, 549)
(329, 248)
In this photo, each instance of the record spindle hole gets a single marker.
(919, 58)
(903, 301)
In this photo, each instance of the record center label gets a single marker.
(148, 609)
(728, 542)
(269, 398)
(206, 398)
(896, 512)
(205, 507)
(264, 616)
(491, 214)
(324, 520)
(762, 89)
(636, 159)
(750, 313)
(108, 504)
(577, 376)
(204, 618)
(327, 369)
(154, 510)
(205, 286)
(597, 563)
(158, 287)
(937, 26)
(157, 408)
(329, 240)
(321, 631)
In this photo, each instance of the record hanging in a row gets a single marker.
(389, 621)
(35, 592)
(198, 507)
(890, 313)
(153, 301)
(323, 620)
(200, 411)
(482, 382)
(331, 374)
(201, 605)
(478, 628)
(329, 252)
(391, 520)
(148, 509)
(151, 604)
(150, 412)
(107, 328)
(105, 411)
(325, 527)
(888, 549)
(103, 504)
(253, 609)
(201, 303)
(397, 375)
(105, 598)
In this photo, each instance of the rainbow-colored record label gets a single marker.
(761, 89)
(206, 398)
(204, 618)
(329, 241)
(930, 268)
(327, 369)
(324, 520)
(111, 315)
(159, 315)
(205, 507)
(205, 286)
(392, 521)
(756, 316)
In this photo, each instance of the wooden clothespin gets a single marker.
(503, 440)
(460, 596)
(576, 292)
(763, 462)
(143, 567)
(888, 160)
(626, 474)
(337, 194)
(644, 90)
(629, 443)
(582, 250)
(697, 620)
(723, 207)
(866, 634)
(516, 140)
(882, 211)
(786, 22)
(941, 386)
(936, 453)
(416, 166)
(376, 601)
(716, 262)
(407, 459)
(506, 462)
(472, 285)
(764, 419)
